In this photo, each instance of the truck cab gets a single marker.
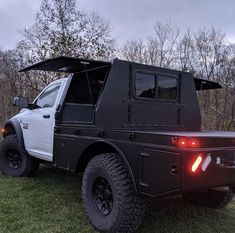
(37, 123)
(133, 129)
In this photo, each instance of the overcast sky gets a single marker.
(128, 18)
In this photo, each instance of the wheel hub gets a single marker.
(102, 196)
(107, 194)
(13, 159)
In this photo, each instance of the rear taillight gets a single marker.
(193, 142)
(196, 163)
(184, 142)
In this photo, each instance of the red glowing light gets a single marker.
(194, 142)
(196, 163)
(182, 142)
(185, 142)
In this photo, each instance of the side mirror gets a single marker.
(21, 102)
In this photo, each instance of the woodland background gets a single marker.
(62, 28)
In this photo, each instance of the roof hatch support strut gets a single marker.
(89, 84)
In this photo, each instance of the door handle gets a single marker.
(46, 116)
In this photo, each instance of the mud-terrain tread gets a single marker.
(30, 164)
(130, 206)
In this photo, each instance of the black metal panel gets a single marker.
(161, 171)
(76, 144)
(67, 65)
(112, 111)
(190, 116)
(203, 84)
(145, 115)
(77, 113)
(64, 152)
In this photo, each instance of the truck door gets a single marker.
(38, 123)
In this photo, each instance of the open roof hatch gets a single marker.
(203, 84)
(74, 65)
(67, 65)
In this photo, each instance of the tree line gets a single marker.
(61, 28)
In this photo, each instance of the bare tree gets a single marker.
(159, 49)
(9, 84)
(60, 28)
(205, 53)
(134, 50)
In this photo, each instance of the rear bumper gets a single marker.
(220, 171)
(165, 173)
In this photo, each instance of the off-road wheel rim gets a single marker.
(13, 159)
(102, 196)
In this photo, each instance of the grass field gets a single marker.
(51, 203)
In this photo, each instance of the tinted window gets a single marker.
(79, 91)
(167, 87)
(145, 85)
(48, 97)
(83, 92)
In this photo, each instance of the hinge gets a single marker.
(144, 154)
(129, 114)
(143, 184)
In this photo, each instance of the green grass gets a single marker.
(51, 203)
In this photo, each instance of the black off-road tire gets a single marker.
(127, 210)
(13, 162)
(210, 198)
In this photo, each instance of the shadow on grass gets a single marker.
(166, 215)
